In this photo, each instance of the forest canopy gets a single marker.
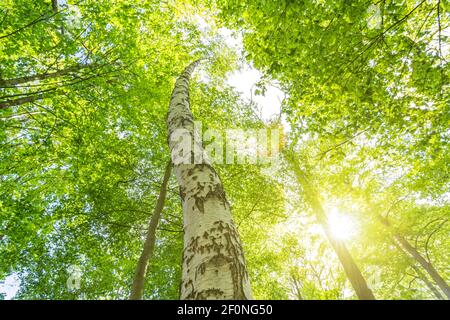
(229, 149)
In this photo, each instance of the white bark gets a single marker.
(213, 259)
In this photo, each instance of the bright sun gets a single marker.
(341, 226)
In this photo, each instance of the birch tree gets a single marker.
(213, 257)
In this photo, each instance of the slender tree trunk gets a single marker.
(10, 83)
(55, 8)
(428, 283)
(297, 286)
(213, 258)
(429, 268)
(420, 274)
(17, 102)
(137, 289)
(352, 271)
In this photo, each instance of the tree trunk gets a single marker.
(297, 286)
(420, 274)
(55, 6)
(137, 288)
(213, 259)
(428, 283)
(429, 268)
(19, 101)
(10, 83)
(352, 271)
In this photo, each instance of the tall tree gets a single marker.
(352, 271)
(427, 282)
(213, 258)
(137, 288)
(419, 273)
(414, 253)
(6, 83)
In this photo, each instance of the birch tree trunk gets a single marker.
(213, 258)
(352, 271)
(429, 268)
(137, 289)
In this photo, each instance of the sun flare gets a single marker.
(341, 225)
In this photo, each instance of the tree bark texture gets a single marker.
(213, 259)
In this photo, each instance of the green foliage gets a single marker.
(82, 162)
